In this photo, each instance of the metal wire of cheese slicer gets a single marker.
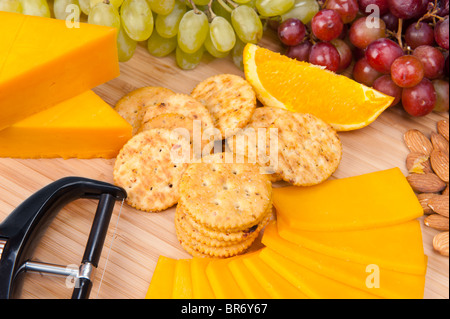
(21, 230)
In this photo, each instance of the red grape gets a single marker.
(407, 9)
(325, 54)
(300, 52)
(418, 34)
(441, 33)
(363, 31)
(364, 73)
(345, 53)
(381, 53)
(446, 71)
(442, 96)
(407, 71)
(432, 59)
(385, 85)
(443, 8)
(381, 4)
(391, 21)
(327, 25)
(420, 99)
(347, 9)
(292, 31)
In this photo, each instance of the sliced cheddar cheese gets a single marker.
(377, 199)
(372, 279)
(222, 281)
(161, 285)
(314, 285)
(273, 283)
(397, 247)
(82, 127)
(201, 289)
(44, 62)
(182, 281)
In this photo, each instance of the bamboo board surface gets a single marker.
(128, 261)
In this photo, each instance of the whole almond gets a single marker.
(439, 142)
(440, 243)
(439, 204)
(418, 163)
(426, 183)
(442, 128)
(436, 221)
(440, 164)
(446, 191)
(424, 199)
(417, 142)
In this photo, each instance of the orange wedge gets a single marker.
(302, 87)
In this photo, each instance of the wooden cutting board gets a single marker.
(137, 239)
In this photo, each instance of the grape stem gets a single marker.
(399, 33)
(225, 6)
(234, 5)
(196, 11)
(431, 13)
(211, 14)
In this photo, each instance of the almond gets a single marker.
(440, 243)
(436, 221)
(446, 191)
(439, 204)
(424, 199)
(418, 163)
(442, 127)
(439, 142)
(440, 164)
(426, 183)
(417, 142)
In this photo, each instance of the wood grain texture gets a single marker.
(141, 237)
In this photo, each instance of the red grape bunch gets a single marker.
(398, 47)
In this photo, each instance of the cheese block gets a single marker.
(161, 285)
(222, 281)
(381, 282)
(313, 285)
(397, 247)
(83, 127)
(273, 283)
(43, 62)
(201, 289)
(182, 282)
(378, 199)
(246, 280)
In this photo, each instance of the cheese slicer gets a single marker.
(21, 231)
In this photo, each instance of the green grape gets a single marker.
(125, 45)
(104, 14)
(115, 3)
(85, 6)
(192, 31)
(137, 19)
(209, 46)
(242, 1)
(159, 46)
(61, 9)
(11, 6)
(219, 10)
(167, 25)
(237, 54)
(222, 34)
(271, 8)
(304, 10)
(36, 8)
(188, 61)
(201, 2)
(247, 24)
(163, 7)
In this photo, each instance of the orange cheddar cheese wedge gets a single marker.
(377, 199)
(201, 289)
(82, 127)
(397, 247)
(161, 284)
(273, 283)
(314, 285)
(44, 62)
(381, 282)
(222, 281)
(182, 282)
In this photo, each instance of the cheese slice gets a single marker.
(397, 247)
(222, 281)
(44, 62)
(377, 199)
(83, 127)
(381, 282)
(313, 285)
(273, 283)
(161, 285)
(182, 282)
(201, 289)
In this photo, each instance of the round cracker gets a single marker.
(230, 99)
(145, 169)
(132, 106)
